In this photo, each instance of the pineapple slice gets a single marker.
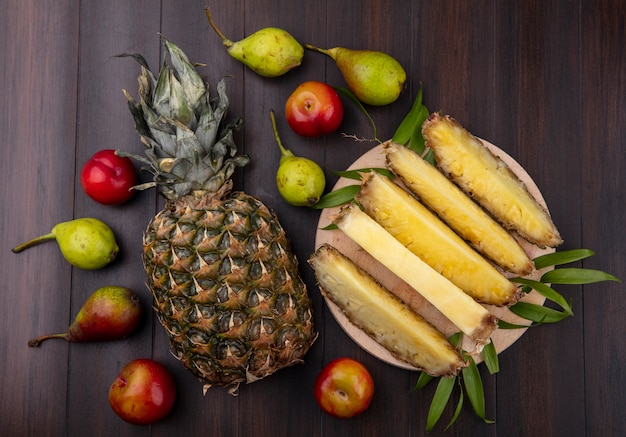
(487, 179)
(460, 212)
(382, 316)
(463, 311)
(424, 234)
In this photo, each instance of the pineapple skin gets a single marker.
(459, 211)
(424, 234)
(382, 316)
(461, 309)
(225, 284)
(488, 180)
(226, 287)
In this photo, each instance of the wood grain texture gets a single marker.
(543, 80)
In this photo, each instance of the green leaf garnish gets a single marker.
(405, 130)
(409, 132)
(418, 143)
(457, 411)
(423, 379)
(474, 388)
(490, 357)
(547, 292)
(338, 197)
(503, 324)
(564, 257)
(537, 313)
(346, 194)
(350, 95)
(469, 382)
(578, 276)
(439, 401)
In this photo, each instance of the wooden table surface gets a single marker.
(543, 80)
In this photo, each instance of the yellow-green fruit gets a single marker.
(374, 77)
(300, 181)
(270, 51)
(86, 243)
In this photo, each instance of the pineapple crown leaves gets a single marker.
(189, 145)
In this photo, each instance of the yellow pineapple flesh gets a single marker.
(488, 180)
(455, 208)
(382, 316)
(424, 234)
(463, 311)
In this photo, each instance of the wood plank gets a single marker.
(455, 60)
(38, 124)
(603, 73)
(105, 123)
(537, 112)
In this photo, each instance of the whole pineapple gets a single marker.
(225, 283)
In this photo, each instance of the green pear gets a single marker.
(270, 51)
(110, 313)
(300, 181)
(86, 243)
(375, 78)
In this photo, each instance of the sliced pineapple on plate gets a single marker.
(382, 316)
(424, 234)
(488, 180)
(501, 338)
(463, 311)
(455, 208)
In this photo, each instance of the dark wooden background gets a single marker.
(544, 80)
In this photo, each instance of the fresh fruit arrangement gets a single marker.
(446, 216)
(225, 284)
(413, 218)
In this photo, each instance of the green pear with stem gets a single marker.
(374, 77)
(300, 181)
(270, 51)
(110, 313)
(86, 243)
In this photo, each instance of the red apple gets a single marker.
(344, 388)
(143, 392)
(314, 109)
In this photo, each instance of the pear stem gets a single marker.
(46, 237)
(36, 342)
(227, 42)
(284, 152)
(316, 49)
